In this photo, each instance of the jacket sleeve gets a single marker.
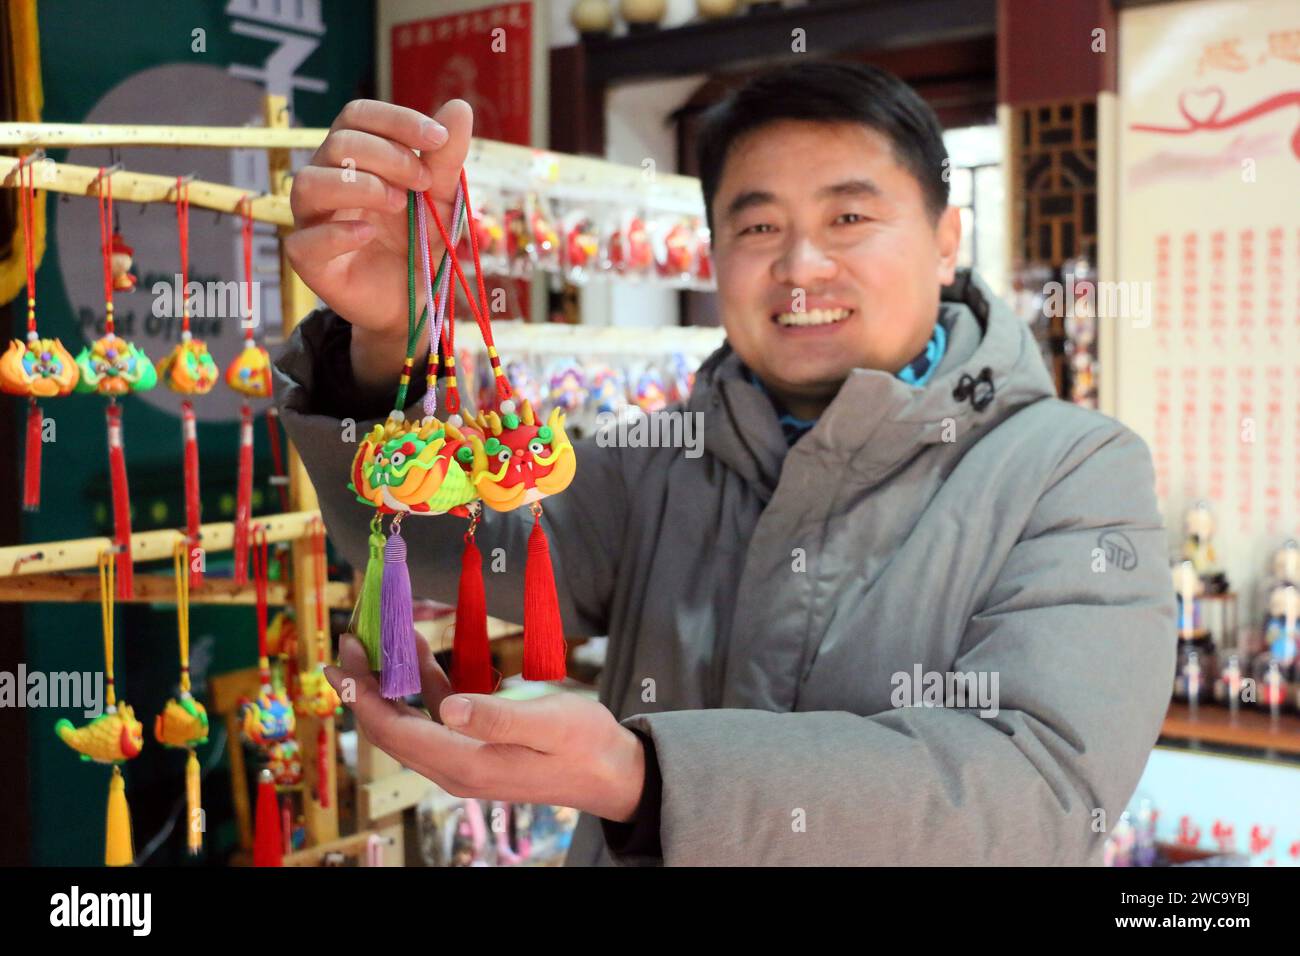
(325, 415)
(1085, 662)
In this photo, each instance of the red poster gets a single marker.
(480, 56)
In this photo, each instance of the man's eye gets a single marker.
(758, 227)
(849, 218)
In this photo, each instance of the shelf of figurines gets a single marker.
(1235, 687)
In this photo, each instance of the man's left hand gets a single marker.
(561, 749)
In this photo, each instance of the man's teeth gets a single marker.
(813, 317)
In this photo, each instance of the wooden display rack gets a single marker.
(43, 572)
(40, 572)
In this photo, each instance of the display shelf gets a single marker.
(158, 589)
(1253, 729)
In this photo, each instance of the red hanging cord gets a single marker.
(189, 424)
(278, 478)
(105, 183)
(246, 235)
(35, 418)
(479, 309)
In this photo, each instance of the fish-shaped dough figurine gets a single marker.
(183, 723)
(113, 737)
(403, 466)
(38, 368)
(269, 719)
(514, 459)
(316, 698)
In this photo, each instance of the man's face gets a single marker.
(827, 259)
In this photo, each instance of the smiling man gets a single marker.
(888, 488)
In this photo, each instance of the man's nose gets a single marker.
(802, 264)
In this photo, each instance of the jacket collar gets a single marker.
(876, 422)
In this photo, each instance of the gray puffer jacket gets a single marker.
(769, 608)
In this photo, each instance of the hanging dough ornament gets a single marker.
(183, 723)
(506, 457)
(113, 367)
(120, 255)
(189, 370)
(269, 719)
(37, 368)
(316, 698)
(113, 737)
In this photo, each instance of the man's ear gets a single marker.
(948, 234)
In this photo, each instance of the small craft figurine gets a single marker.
(284, 760)
(39, 368)
(250, 372)
(269, 718)
(189, 368)
(182, 725)
(120, 259)
(514, 460)
(111, 738)
(1280, 631)
(1198, 547)
(113, 366)
(1286, 563)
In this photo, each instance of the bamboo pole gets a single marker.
(129, 186)
(80, 553)
(296, 300)
(154, 589)
(67, 135)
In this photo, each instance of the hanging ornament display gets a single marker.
(183, 723)
(37, 368)
(316, 697)
(249, 375)
(113, 737)
(189, 370)
(268, 719)
(503, 458)
(114, 367)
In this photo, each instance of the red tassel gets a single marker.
(244, 493)
(544, 649)
(190, 433)
(471, 657)
(121, 503)
(323, 766)
(268, 850)
(32, 469)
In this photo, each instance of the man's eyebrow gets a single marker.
(850, 187)
(751, 197)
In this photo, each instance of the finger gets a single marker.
(391, 121)
(434, 685)
(445, 162)
(311, 249)
(320, 191)
(539, 724)
(354, 149)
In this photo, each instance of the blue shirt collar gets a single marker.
(916, 373)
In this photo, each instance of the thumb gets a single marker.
(537, 724)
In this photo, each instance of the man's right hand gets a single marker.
(349, 212)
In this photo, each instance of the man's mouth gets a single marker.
(811, 317)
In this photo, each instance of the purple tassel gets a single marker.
(400, 674)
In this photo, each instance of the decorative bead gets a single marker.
(508, 408)
(455, 421)
(186, 336)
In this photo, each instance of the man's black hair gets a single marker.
(830, 92)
